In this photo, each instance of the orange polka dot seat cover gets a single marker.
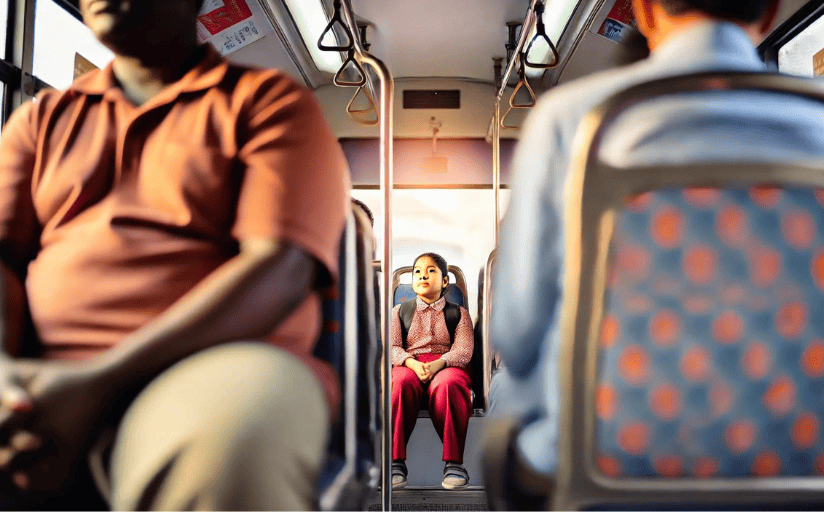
(712, 342)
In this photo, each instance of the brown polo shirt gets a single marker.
(121, 210)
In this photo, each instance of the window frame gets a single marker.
(16, 64)
(10, 75)
(795, 24)
(70, 8)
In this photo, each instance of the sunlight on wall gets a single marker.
(455, 223)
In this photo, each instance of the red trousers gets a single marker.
(449, 399)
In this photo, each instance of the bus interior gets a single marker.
(426, 99)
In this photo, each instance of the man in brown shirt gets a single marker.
(157, 210)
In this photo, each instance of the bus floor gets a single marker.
(424, 491)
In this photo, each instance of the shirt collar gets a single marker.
(208, 72)
(437, 305)
(707, 45)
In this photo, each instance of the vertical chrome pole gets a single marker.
(387, 184)
(386, 114)
(496, 167)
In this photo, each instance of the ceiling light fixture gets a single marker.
(556, 16)
(311, 19)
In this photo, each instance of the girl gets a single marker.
(431, 347)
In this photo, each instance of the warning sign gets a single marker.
(618, 21)
(231, 24)
(818, 63)
(223, 16)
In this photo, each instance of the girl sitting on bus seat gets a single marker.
(431, 347)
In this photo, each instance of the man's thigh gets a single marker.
(217, 428)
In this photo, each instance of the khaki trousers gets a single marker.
(241, 426)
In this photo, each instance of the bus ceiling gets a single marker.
(455, 39)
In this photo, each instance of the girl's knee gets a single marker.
(403, 377)
(450, 380)
(452, 376)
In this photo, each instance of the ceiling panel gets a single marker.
(455, 38)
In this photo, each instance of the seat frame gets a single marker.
(597, 192)
(485, 302)
(348, 489)
(460, 280)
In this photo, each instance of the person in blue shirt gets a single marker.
(685, 36)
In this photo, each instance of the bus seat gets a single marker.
(455, 292)
(349, 342)
(693, 354)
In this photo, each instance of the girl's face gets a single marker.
(427, 280)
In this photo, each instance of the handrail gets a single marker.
(522, 82)
(354, 43)
(495, 123)
(540, 31)
(336, 19)
(510, 67)
(340, 82)
(386, 116)
(354, 112)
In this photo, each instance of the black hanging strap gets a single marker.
(336, 18)
(540, 31)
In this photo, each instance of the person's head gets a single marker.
(430, 276)
(657, 19)
(140, 28)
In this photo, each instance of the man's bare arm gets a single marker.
(244, 299)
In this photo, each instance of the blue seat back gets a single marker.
(712, 342)
(404, 293)
(350, 492)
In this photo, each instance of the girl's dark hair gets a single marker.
(440, 262)
(747, 11)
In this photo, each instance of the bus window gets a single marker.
(58, 38)
(796, 57)
(455, 223)
(4, 22)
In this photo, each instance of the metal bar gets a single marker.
(386, 162)
(496, 168)
(487, 319)
(9, 74)
(494, 131)
(529, 19)
(70, 8)
(21, 24)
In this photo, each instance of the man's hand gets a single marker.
(13, 396)
(42, 446)
(434, 367)
(419, 368)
